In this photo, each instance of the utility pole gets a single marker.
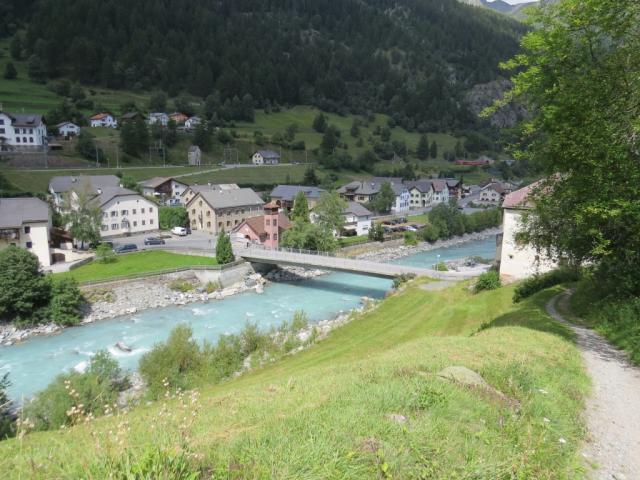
(117, 157)
(45, 146)
(97, 156)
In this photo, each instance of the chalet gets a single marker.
(22, 131)
(455, 188)
(265, 157)
(363, 191)
(517, 259)
(68, 129)
(420, 193)
(158, 118)
(103, 119)
(493, 193)
(214, 211)
(192, 122)
(164, 187)
(178, 118)
(440, 191)
(357, 219)
(130, 117)
(194, 155)
(266, 229)
(284, 195)
(25, 223)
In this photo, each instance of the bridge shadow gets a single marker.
(327, 285)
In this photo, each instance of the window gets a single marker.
(235, 222)
(275, 222)
(151, 222)
(268, 222)
(193, 210)
(228, 223)
(105, 214)
(275, 236)
(219, 224)
(114, 226)
(29, 244)
(135, 224)
(104, 228)
(114, 213)
(31, 130)
(200, 203)
(133, 211)
(17, 139)
(208, 224)
(1, 121)
(150, 209)
(1, 130)
(208, 213)
(143, 222)
(142, 210)
(24, 139)
(30, 139)
(124, 212)
(27, 229)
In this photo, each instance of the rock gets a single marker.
(397, 418)
(463, 376)
(250, 282)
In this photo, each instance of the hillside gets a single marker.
(364, 403)
(413, 59)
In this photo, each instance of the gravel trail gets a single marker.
(613, 409)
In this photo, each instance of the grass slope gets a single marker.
(324, 412)
(135, 263)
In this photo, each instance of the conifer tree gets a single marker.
(422, 152)
(224, 252)
(300, 210)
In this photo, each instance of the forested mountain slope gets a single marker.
(414, 59)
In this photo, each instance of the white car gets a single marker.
(180, 231)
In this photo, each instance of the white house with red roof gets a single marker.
(519, 260)
(103, 119)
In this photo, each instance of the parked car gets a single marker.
(411, 229)
(180, 231)
(127, 247)
(153, 241)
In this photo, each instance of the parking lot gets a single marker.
(197, 240)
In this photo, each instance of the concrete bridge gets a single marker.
(328, 261)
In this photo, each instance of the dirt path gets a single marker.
(613, 410)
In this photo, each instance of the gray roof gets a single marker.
(93, 182)
(155, 182)
(268, 154)
(422, 185)
(288, 192)
(372, 186)
(25, 119)
(241, 197)
(14, 212)
(111, 192)
(60, 125)
(439, 185)
(357, 209)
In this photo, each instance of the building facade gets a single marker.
(125, 212)
(214, 211)
(266, 229)
(23, 131)
(357, 219)
(68, 129)
(164, 187)
(265, 157)
(285, 195)
(194, 155)
(103, 120)
(26, 223)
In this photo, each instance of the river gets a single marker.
(33, 364)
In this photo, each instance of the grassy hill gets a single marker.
(328, 411)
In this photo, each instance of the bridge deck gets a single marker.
(321, 260)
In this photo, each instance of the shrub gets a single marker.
(88, 392)
(487, 281)
(180, 285)
(212, 286)
(105, 254)
(376, 232)
(537, 283)
(6, 423)
(152, 463)
(170, 217)
(224, 252)
(430, 233)
(66, 300)
(402, 279)
(442, 267)
(410, 238)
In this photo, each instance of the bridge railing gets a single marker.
(303, 251)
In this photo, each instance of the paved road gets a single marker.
(613, 410)
(197, 240)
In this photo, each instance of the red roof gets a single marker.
(257, 224)
(99, 116)
(518, 199)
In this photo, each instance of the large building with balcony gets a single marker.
(22, 131)
(26, 222)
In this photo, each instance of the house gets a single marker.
(103, 120)
(25, 222)
(493, 193)
(130, 117)
(363, 191)
(123, 211)
(214, 211)
(265, 157)
(60, 186)
(455, 188)
(440, 191)
(357, 219)
(194, 155)
(158, 118)
(284, 195)
(165, 187)
(68, 129)
(517, 259)
(192, 190)
(178, 118)
(420, 193)
(265, 229)
(192, 122)
(22, 131)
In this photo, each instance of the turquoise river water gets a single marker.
(33, 364)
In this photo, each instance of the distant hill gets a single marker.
(501, 6)
(412, 59)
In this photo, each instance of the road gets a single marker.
(197, 240)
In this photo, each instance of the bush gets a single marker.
(170, 217)
(442, 267)
(537, 283)
(487, 281)
(105, 254)
(224, 252)
(402, 279)
(430, 233)
(376, 232)
(153, 463)
(88, 392)
(181, 286)
(410, 238)
(66, 301)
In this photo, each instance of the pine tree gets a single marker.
(433, 153)
(224, 252)
(127, 139)
(310, 177)
(422, 152)
(10, 72)
(320, 123)
(202, 137)
(300, 210)
(141, 137)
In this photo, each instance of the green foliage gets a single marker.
(86, 146)
(82, 216)
(320, 123)
(329, 213)
(10, 72)
(576, 78)
(376, 232)
(24, 291)
(180, 285)
(66, 301)
(410, 238)
(487, 281)
(310, 176)
(152, 463)
(422, 152)
(158, 102)
(442, 267)
(300, 210)
(539, 282)
(446, 221)
(88, 392)
(430, 233)
(170, 217)
(384, 199)
(134, 138)
(202, 137)
(310, 236)
(224, 251)
(6, 422)
(402, 279)
(433, 151)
